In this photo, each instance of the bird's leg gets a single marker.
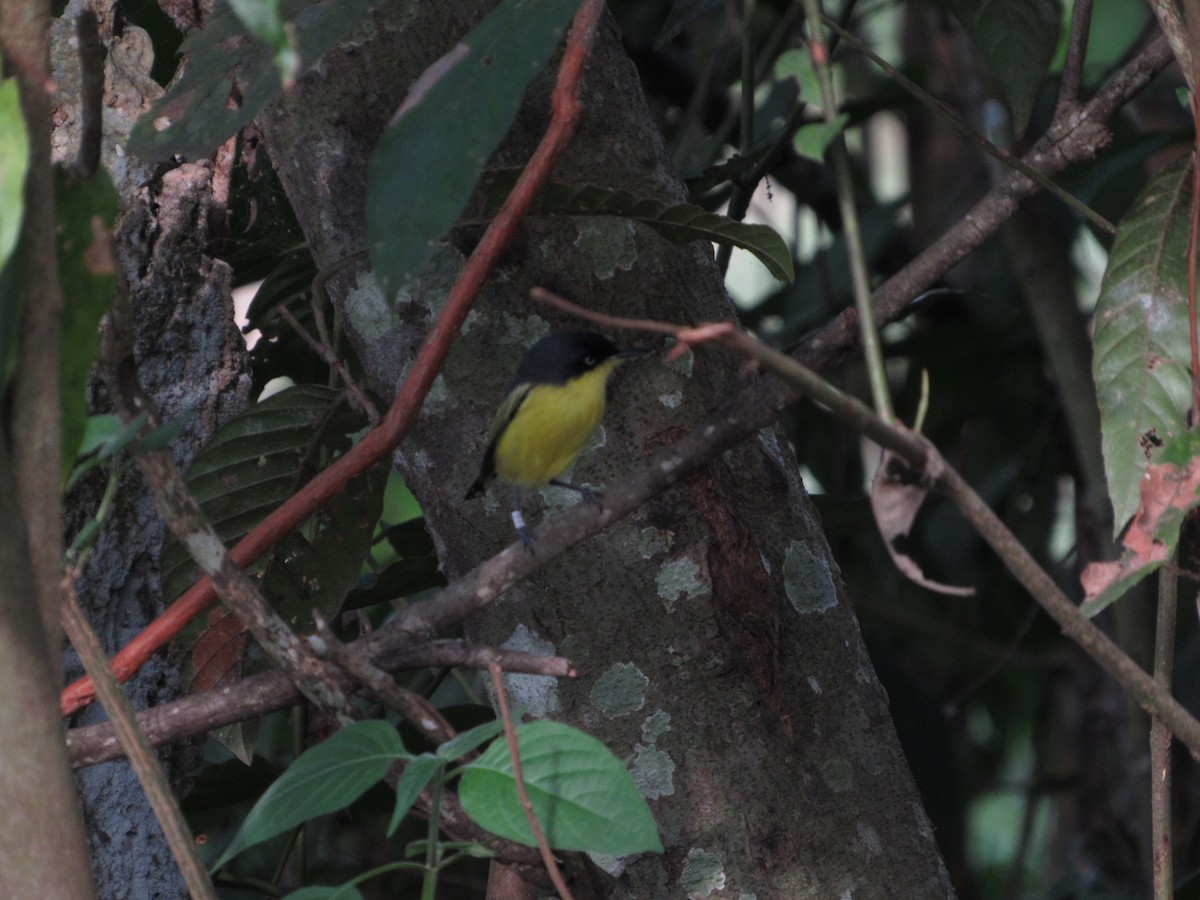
(591, 496)
(518, 520)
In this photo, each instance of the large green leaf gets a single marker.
(1016, 39)
(256, 461)
(196, 115)
(1142, 351)
(86, 211)
(323, 779)
(418, 772)
(583, 797)
(426, 164)
(679, 223)
(14, 163)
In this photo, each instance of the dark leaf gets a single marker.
(426, 164)
(223, 62)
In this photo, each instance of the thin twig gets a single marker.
(320, 298)
(419, 712)
(514, 752)
(358, 398)
(1072, 76)
(746, 131)
(739, 201)
(998, 153)
(855, 254)
(1160, 739)
(377, 444)
(135, 745)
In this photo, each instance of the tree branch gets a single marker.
(267, 692)
(136, 747)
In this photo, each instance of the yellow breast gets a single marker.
(550, 427)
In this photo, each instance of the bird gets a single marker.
(554, 403)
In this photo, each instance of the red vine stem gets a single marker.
(566, 111)
(514, 752)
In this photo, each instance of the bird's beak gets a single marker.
(632, 352)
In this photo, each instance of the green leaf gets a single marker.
(14, 164)
(262, 18)
(812, 140)
(256, 461)
(196, 116)
(795, 308)
(466, 741)
(316, 571)
(124, 436)
(1131, 574)
(160, 436)
(86, 211)
(344, 892)
(98, 431)
(323, 779)
(422, 171)
(583, 797)
(1016, 39)
(679, 223)
(1141, 355)
(417, 773)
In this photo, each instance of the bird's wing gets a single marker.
(504, 415)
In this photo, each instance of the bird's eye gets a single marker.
(589, 361)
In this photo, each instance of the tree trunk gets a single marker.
(715, 645)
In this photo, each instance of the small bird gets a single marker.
(554, 403)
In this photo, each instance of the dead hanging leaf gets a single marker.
(896, 497)
(1166, 493)
(217, 652)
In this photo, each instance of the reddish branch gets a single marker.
(378, 444)
(514, 752)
